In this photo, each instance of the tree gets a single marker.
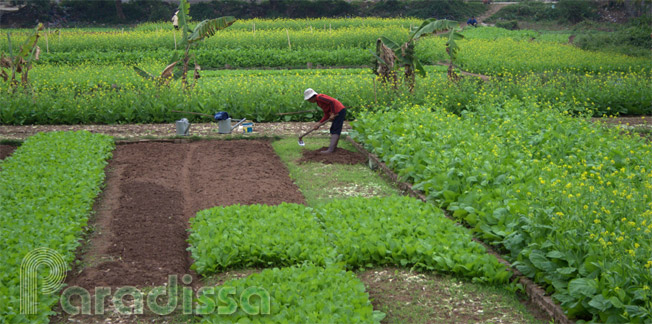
(389, 53)
(118, 10)
(204, 29)
(21, 61)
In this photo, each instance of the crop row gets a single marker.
(260, 24)
(116, 94)
(299, 294)
(502, 55)
(486, 50)
(357, 232)
(47, 190)
(218, 59)
(571, 202)
(224, 39)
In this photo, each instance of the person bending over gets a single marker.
(334, 111)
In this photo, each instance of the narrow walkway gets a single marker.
(494, 7)
(134, 131)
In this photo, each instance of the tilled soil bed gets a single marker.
(339, 156)
(6, 150)
(153, 189)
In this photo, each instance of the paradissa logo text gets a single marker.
(224, 300)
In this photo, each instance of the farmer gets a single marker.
(333, 111)
(472, 22)
(175, 20)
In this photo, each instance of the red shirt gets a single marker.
(328, 105)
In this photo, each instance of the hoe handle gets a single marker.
(312, 130)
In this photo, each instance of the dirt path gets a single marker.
(339, 156)
(493, 8)
(639, 121)
(130, 131)
(152, 190)
(6, 150)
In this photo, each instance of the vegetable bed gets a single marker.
(356, 233)
(570, 201)
(298, 294)
(47, 190)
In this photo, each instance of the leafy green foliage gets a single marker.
(94, 88)
(406, 232)
(432, 26)
(208, 28)
(405, 53)
(114, 94)
(303, 294)
(47, 190)
(632, 39)
(257, 236)
(356, 232)
(21, 61)
(203, 30)
(509, 24)
(568, 200)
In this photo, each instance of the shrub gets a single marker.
(575, 11)
(510, 24)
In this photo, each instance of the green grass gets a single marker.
(321, 183)
(410, 297)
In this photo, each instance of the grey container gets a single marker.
(224, 126)
(183, 127)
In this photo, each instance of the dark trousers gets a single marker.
(338, 122)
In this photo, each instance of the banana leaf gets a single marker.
(452, 44)
(431, 26)
(391, 44)
(209, 27)
(143, 73)
(418, 67)
(184, 17)
(377, 57)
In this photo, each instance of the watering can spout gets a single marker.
(238, 124)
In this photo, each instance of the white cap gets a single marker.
(309, 93)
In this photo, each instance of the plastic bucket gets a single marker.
(247, 127)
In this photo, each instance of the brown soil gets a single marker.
(6, 150)
(153, 189)
(493, 8)
(639, 126)
(639, 121)
(339, 156)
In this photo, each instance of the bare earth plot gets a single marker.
(152, 190)
(6, 150)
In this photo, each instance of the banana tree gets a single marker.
(391, 55)
(178, 68)
(21, 61)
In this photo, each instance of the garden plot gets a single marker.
(153, 189)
